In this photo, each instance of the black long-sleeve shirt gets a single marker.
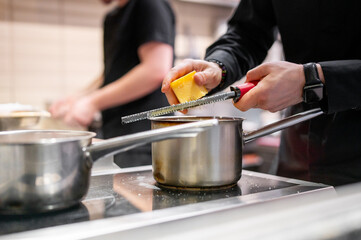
(328, 148)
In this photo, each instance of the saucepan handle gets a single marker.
(242, 89)
(284, 123)
(120, 144)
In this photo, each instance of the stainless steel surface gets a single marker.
(124, 143)
(10, 138)
(214, 157)
(50, 170)
(178, 107)
(282, 124)
(41, 170)
(21, 120)
(314, 216)
(131, 201)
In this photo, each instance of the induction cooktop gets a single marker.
(127, 193)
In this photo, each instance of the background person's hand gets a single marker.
(59, 108)
(281, 85)
(208, 74)
(82, 112)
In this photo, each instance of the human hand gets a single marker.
(281, 85)
(82, 112)
(208, 74)
(59, 108)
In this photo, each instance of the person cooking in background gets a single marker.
(138, 52)
(321, 40)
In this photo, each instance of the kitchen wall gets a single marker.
(48, 48)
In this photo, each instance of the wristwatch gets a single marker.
(313, 89)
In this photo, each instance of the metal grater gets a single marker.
(177, 107)
(235, 93)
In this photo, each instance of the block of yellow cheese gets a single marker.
(186, 89)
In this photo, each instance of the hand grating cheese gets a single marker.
(186, 89)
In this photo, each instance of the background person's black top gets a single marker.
(125, 30)
(326, 149)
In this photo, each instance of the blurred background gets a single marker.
(53, 48)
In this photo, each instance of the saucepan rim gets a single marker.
(194, 118)
(43, 136)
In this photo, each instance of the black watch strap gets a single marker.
(313, 89)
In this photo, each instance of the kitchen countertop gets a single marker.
(128, 201)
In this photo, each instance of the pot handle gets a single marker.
(123, 143)
(284, 123)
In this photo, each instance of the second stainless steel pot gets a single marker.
(214, 157)
(48, 170)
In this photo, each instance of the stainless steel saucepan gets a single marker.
(214, 157)
(48, 170)
(43, 170)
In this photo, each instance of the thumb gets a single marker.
(208, 78)
(200, 78)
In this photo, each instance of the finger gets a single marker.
(68, 120)
(207, 78)
(200, 78)
(83, 119)
(182, 69)
(175, 73)
(54, 107)
(172, 99)
(76, 121)
(257, 73)
(59, 111)
(248, 101)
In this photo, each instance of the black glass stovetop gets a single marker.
(123, 194)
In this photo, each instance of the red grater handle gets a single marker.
(242, 89)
